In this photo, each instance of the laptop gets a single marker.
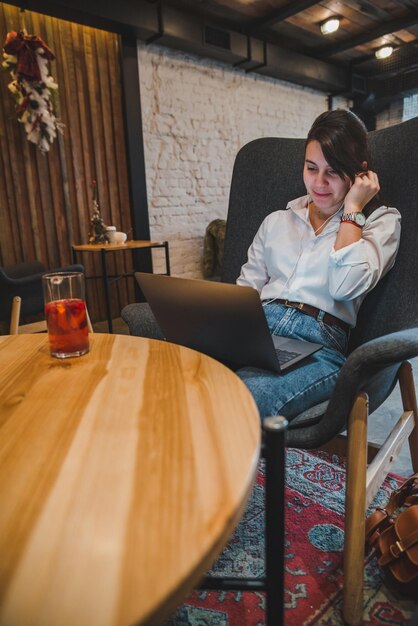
(224, 321)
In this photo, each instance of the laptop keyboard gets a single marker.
(284, 356)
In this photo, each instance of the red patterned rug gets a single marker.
(315, 486)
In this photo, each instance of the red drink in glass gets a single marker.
(67, 327)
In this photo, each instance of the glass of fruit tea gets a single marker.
(66, 316)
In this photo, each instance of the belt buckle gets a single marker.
(294, 305)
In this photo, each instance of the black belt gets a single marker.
(327, 318)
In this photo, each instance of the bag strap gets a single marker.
(381, 517)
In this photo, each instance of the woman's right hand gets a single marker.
(365, 187)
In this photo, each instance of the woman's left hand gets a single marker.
(365, 187)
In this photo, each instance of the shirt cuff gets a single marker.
(349, 255)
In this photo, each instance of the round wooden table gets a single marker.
(122, 475)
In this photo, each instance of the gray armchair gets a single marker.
(267, 173)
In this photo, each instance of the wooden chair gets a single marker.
(35, 327)
(267, 174)
(16, 328)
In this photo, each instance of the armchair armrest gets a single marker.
(372, 368)
(141, 321)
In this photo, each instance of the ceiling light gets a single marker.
(330, 26)
(384, 53)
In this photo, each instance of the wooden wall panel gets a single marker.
(46, 200)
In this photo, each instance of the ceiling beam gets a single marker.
(369, 8)
(383, 29)
(279, 15)
(137, 19)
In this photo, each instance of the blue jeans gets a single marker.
(310, 381)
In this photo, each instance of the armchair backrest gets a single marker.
(25, 280)
(393, 304)
(268, 173)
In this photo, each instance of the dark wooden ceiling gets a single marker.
(365, 26)
(278, 38)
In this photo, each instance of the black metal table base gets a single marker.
(106, 277)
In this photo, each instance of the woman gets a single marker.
(314, 263)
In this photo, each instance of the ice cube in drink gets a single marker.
(67, 327)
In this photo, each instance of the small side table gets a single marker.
(104, 249)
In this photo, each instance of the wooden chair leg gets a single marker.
(15, 315)
(409, 401)
(355, 511)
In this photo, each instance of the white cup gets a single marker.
(119, 237)
(111, 231)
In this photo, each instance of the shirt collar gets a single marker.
(299, 205)
(299, 208)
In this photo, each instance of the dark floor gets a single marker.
(379, 423)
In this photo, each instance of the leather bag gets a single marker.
(393, 532)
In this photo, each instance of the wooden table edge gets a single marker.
(131, 244)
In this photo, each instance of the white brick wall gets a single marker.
(196, 115)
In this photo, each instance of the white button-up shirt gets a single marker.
(287, 260)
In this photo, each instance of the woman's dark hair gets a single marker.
(343, 140)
